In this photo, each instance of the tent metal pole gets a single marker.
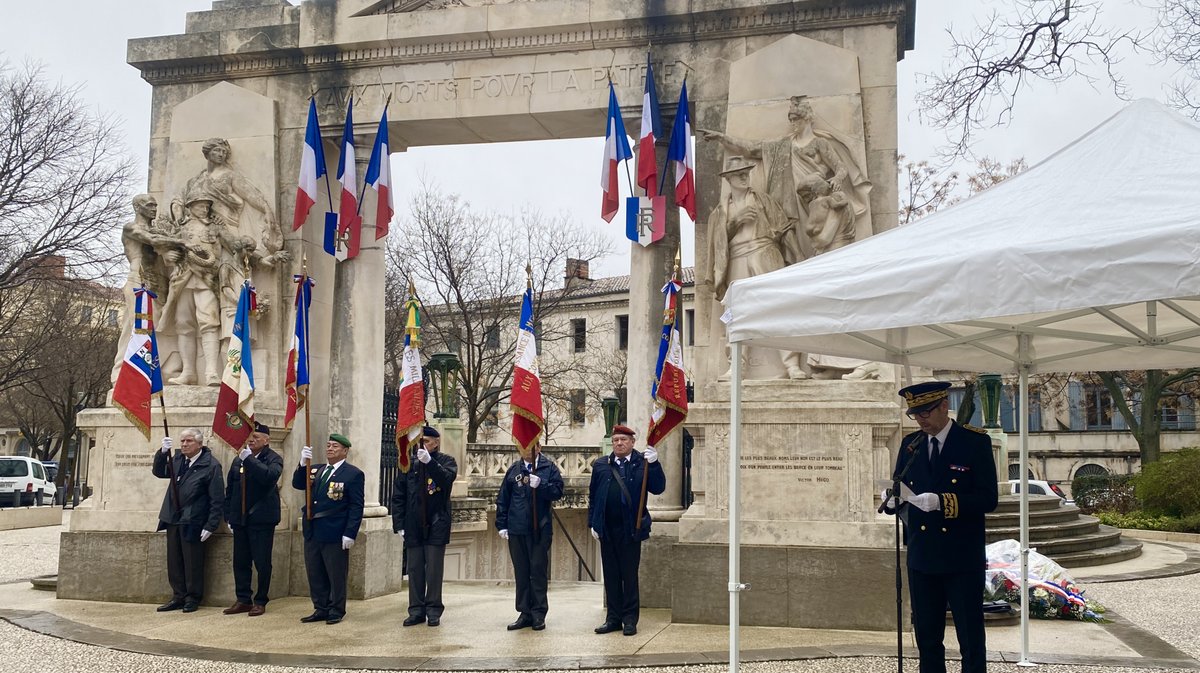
(1023, 425)
(735, 446)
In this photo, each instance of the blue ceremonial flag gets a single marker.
(234, 418)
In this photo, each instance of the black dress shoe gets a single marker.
(434, 621)
(409, 621)
(539, 624)
(629, 630)
(190, 607)
(169, 606)
(314, 617)
(333, 620)
(608, 627)
(523, 622)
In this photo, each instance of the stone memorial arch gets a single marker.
(470, 71)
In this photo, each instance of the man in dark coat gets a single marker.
(534, 477)
(253, 533)
(421, 515)
(613, 502)
(190, 512)
(337, 506)
(949, 486)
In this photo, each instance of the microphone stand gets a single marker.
(898, 477)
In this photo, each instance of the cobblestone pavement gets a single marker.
(27, 553)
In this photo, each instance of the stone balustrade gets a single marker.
(487, 463)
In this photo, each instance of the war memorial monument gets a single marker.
(794, 107)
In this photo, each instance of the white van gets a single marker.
(23, 481)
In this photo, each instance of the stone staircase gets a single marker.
(1061, 532)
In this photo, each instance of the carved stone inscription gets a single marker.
(503, 85)
(135, 460)
(801, 485)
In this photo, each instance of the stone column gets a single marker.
(454, 444)
(356, 374)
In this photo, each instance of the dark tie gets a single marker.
(183, 469)
(325, 474)
(934, 451)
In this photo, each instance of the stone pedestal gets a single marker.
(454, 444)
(810, 458)
(1000, 456)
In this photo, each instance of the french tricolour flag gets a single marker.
(616, 150)
(234, 417)
(647, 163)
(140, 378)
(349, 226)
(670, 384)
(296, 380)
(526, 398)
(379, 177)
(312, 167)
(679, 154)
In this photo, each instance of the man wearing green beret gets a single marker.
(337, 506)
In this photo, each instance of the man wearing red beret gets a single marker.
(613, 510)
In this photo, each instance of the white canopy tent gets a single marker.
(1085, 262)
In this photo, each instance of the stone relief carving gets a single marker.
(823, 193)
(401, 6)
(195, 259)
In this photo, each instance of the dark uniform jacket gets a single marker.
(337, 508)
(201, 494)
(598, 491)
(964, 477)
(513, 502)
(262, 490)
(424, 486)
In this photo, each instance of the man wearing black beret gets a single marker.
(952, 479)
(421, 515)
(252, 511)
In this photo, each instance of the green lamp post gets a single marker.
(445, 368)
(989, 397)
(612, 411)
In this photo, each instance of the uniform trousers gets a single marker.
(531, 569)
(185, 566)
(620, 557)
(252, 545)
(930, 593)
(327, 563)
(426, 565)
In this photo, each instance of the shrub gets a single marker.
(1109, 493)
(1171, 486)
(1143, 520)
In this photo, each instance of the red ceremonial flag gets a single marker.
(670, 386)
(525, 402)
(140, 377)
(410, 416)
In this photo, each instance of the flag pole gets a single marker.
(533, 449)
(646, 467)
(242, 464)
(308, 499)
(162, 402)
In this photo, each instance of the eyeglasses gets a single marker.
(923, 415)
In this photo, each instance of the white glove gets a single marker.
(926, 502)
(347, 542)
(423, 455)
(534, 481)
(244, 454)
(889, 502)
(650, 454)
(305, 454)
(204, 535)
(594, 533)
(400, 533)
(166, 445)
(504, 533)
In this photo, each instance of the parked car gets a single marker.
(23, 481)
(1039, 487)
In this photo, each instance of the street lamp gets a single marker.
(445, 368)
(989, 398)
(612, 411)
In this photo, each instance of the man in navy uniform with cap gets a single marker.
(253, 514)
(337, 505)
(614, 498)
(952, 479)
(421, 516)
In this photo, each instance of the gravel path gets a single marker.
(31, 552)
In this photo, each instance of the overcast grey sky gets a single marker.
(84, 41)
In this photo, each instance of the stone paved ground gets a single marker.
(27, 553)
